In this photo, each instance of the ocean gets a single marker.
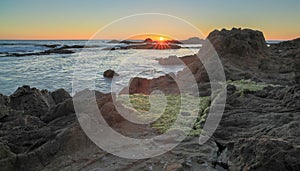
(56, 71)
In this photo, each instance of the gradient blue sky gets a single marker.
(72, 19)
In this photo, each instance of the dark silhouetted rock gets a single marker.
(31, 101)
(241, 43)
(155, 46)
(193, 40)
(148, 40)
(110, 73)
(114, 41)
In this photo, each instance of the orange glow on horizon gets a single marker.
(154, 37)
(77, 35)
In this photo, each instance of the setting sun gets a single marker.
(161, 38)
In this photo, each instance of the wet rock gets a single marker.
(110, 73)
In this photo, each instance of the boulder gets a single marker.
(166, 84)
(110, 73)
(239, 43)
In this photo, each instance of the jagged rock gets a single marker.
(31, 101)
(26, 141)
(62, 109)
(240, 50)
(60, 95)
(265, 154)
(259, 129)
(244, 44)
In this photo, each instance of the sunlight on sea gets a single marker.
(56, 70)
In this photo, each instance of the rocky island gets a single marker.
(146, 44)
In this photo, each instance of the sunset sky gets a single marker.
(75, 19)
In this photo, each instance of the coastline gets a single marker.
(261, 116)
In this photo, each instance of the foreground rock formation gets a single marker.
(244, 55)
(259, 129)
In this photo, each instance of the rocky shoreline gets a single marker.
(54, 49)
(259, 130)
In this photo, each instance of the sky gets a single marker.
(78, 19)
